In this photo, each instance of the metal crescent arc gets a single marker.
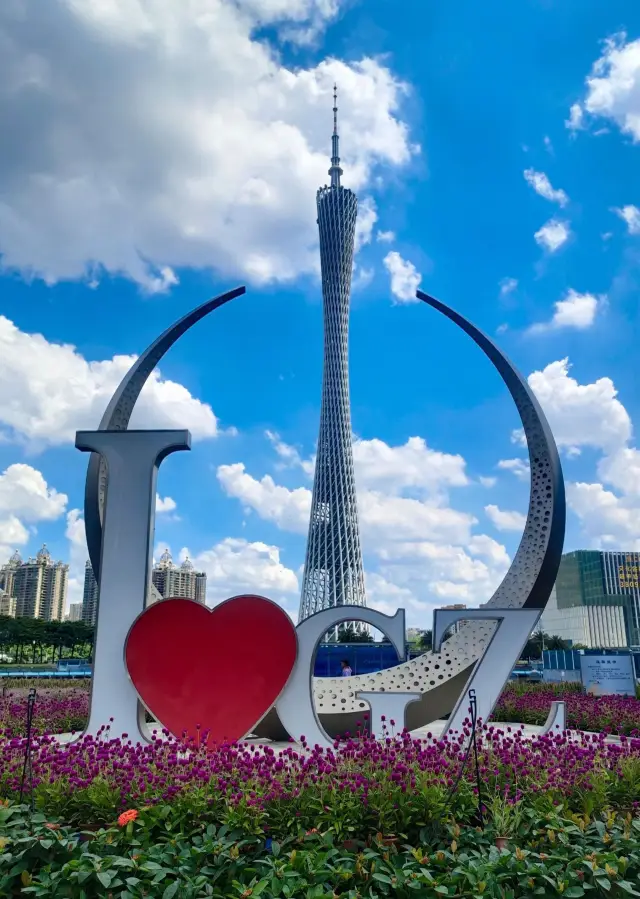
(532, 573)
(440, 677)
(118, 414)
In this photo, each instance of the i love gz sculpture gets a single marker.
(178, 658)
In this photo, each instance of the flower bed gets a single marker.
(356, 789)
(60, 710)
(398, 817)
(390, 818)
(557, 816)
(530, 704)
(55, 712)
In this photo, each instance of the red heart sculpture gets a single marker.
(217, 670)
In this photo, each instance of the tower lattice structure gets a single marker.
(333, 573)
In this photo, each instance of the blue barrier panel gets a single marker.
(363, 658)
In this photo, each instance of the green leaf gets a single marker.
(574, 892)
(105, 879)
(443, 890)
(275, 849)
(381, 878)
(627, 886)
(603, 882)
(152, 866)
(171, 890)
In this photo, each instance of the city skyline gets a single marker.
(511, 199)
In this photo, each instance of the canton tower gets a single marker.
(333, 574)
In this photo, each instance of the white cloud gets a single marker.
(621, 469)
(48, 391)
(613, 87)
(367, 217)
(575, 122)
(289, 509)
(552, 235)
(361, 278)
(542, 186)
(387, 597)
(25, 494)
(488, 548)
(577, 310)
(391, 469)
(299, 21)
(385, 236)
(289, 455)
(12, 534)
(179, 140)
(487, 482)
(507, 286)
(25, 499)
(437, 572)
(384, 518)
(505, 520)
(165, 505)
(631, 215)
(518, 467)
(234, 566)
(581, 414)
(405, 278)
(609, 521)
(413, 464)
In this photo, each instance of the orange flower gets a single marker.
(127, 817)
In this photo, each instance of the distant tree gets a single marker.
(426, 640)
(348, 634)
(538, 641)
(29, 640)
(555, 642)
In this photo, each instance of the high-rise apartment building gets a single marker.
(596, 599)
(89, 596)
(178, 581)
(7, 573)
(7, 605)
(38, 585)
(75, 611)
(333, 572)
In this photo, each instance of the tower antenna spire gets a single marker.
(335, 171)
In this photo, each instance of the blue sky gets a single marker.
(160, 154)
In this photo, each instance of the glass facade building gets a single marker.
(595, 578)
